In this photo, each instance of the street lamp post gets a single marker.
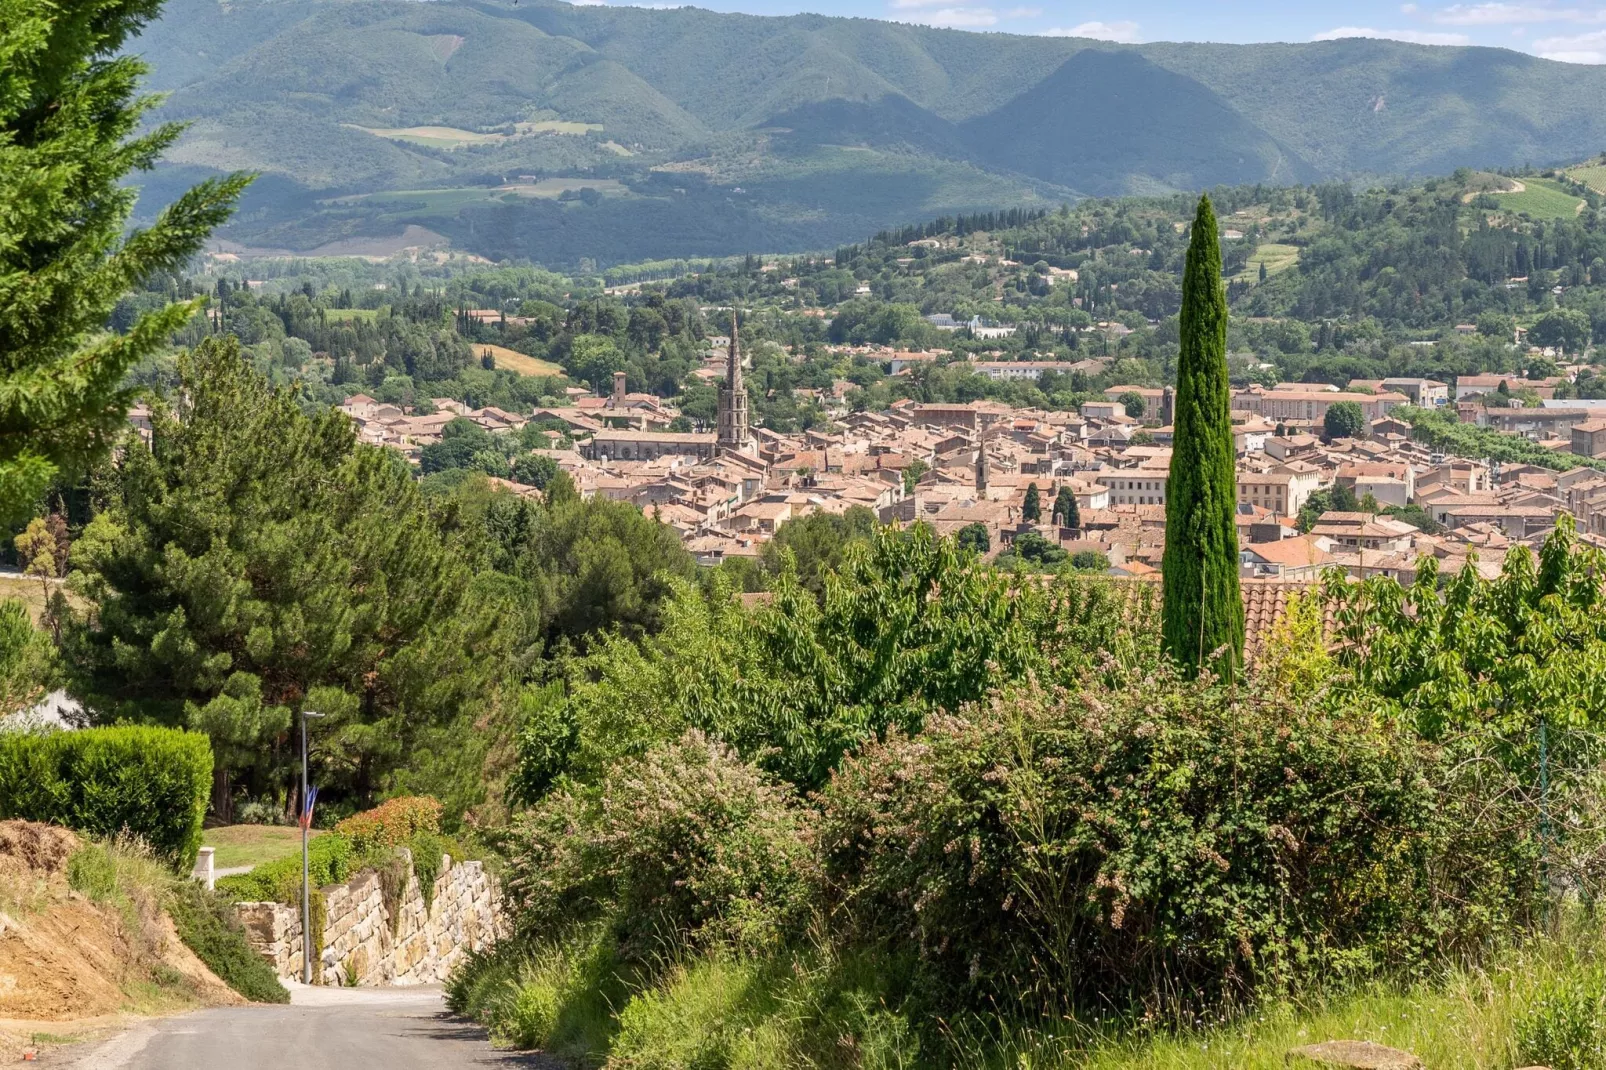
(306, 887)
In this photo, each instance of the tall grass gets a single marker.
(1539, 1002)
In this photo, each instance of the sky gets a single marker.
(1554, 29)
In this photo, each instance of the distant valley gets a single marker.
(557, 133)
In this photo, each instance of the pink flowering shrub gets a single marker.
(686, 843)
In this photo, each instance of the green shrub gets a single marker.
(1167, 844)
(208, 925)
(1564, 1027)
(152, 783)
(330, 860)
(686, 842)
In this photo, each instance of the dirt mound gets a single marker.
(45, 848)
(64, 957)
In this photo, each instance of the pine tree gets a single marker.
(69, 135)
(1203, 613)
(1032, 510)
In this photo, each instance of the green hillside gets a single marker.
(727, 133)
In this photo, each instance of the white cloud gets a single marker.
(1408, 9)
(1414, 37)
(905, 5)
(1125, 33)
(1504, 14)
(958, 18)
(1577, 48)
(1023, 13)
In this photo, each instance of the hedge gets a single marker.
(150, 782)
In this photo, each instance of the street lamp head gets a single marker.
(310, 713)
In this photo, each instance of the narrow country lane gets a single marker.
(321, 1029)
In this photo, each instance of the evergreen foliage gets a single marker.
(70, 135)
(256, 560)
(1031, 510)
(1066, 512)
(207, 923)
(1203, 620)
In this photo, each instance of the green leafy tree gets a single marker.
(1202, 611)
(1132, 403)
(909, 624)
(1344, 419)
(974, 537)
(1090, 561)
(912, 474)
(534, 471)
(816, 545)
(70, 118)
(256, 560)
(598, 564)
(1032, 509)
(1066, 512)
(1566, 329)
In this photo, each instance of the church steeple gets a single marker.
(981, 464)
(733, 429)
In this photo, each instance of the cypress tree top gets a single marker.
(1203, 620)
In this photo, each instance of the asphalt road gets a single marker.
(321, 1029)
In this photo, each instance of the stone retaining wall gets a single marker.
(364, 944)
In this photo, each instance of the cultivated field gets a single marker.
(514, 361)
(1593, 176)
(1276, 258)
(451, 137)
(1539, 198)
(341, 315)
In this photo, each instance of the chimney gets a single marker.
(618, 386)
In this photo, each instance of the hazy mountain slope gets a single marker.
(472, 116)
(1105, 117)
(1383, 106)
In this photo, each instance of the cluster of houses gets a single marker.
(728, 491)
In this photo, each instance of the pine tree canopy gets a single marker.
(1203, 615)
(69, 118)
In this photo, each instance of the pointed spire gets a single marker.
(981, 463)
(733, 426)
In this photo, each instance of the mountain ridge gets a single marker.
(801, 128)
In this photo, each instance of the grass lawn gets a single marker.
(26, 588)
(341, 315)
(514, 361)
(1542, 198)
(252, 845)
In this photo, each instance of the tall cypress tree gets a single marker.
(1066, 510)
(70, 133)
(1203, 621)
(1031, 509)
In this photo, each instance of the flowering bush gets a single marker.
(1167, 845)
(392, 823)
(686, 842)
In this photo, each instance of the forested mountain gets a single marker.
(699, 133)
